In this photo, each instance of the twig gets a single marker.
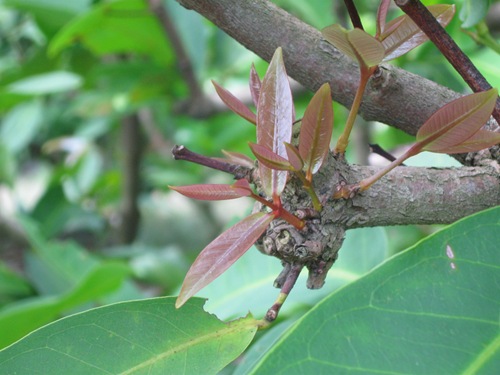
(132, 144)
(353, 13)
(376, 149)
(182, 153)
(291, 277)
(443, 41)
(185, 67)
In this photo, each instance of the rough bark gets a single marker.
(396, 97)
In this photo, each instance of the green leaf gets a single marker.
(457, 121)
(274, 121)
(21, 125)
(357, 44)
(115, 27)
(47, 83)
(139, 337)
(18, 319)
(473, 11)
(432, 309)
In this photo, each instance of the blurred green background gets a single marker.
(93, 98)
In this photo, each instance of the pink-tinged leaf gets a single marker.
(242, 187)
(456, 121)
(357, 44)
(479, 141)
(316, 130)
(382, 15)
(255, 85)
(270, 159)
(274, 122)
(402, 34)
(221, 253)
(209, 192)
(234, 104)
(294, 157)
(238, 158)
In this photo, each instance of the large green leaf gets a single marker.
(432, 309)
(139, 337)
(115, 27)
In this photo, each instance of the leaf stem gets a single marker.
(280, 212)
(308, 186)
(344, 137)
(353, 14)
(367, 182)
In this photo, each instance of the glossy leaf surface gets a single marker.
(255, 85)
(357, 44)
(274, 121)
(316, 130)
(234, 104)
(402, 34)
(269, 158)
(209, 192)
(456, 121)
(294, 157)
(222, 252)
(136, 337)
(480, 140)
(432, 309)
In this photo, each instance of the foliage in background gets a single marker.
(66, 85)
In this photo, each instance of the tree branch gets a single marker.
(395, 97)
(416, 195)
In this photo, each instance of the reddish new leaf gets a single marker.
(210, 192)
(221, 253)
(234, 103)
(270, 159)
(457, 121)
(294, 157)
(255, 85)
(242, 187)
(274, 122)
(316, 130)
(357, 44)
(480, 140)
(402, 34)
(382, 15)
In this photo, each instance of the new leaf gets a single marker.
(357, 44)
(213, 192)
(402, 34)
(222, 252)
(274, 122)
(456, 122)
(316, 130)
(234, 103)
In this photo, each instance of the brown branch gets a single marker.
(182, 153)
(132, 154)
(395, 97)
(445, 43)
(353, 13)
(417, 195)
